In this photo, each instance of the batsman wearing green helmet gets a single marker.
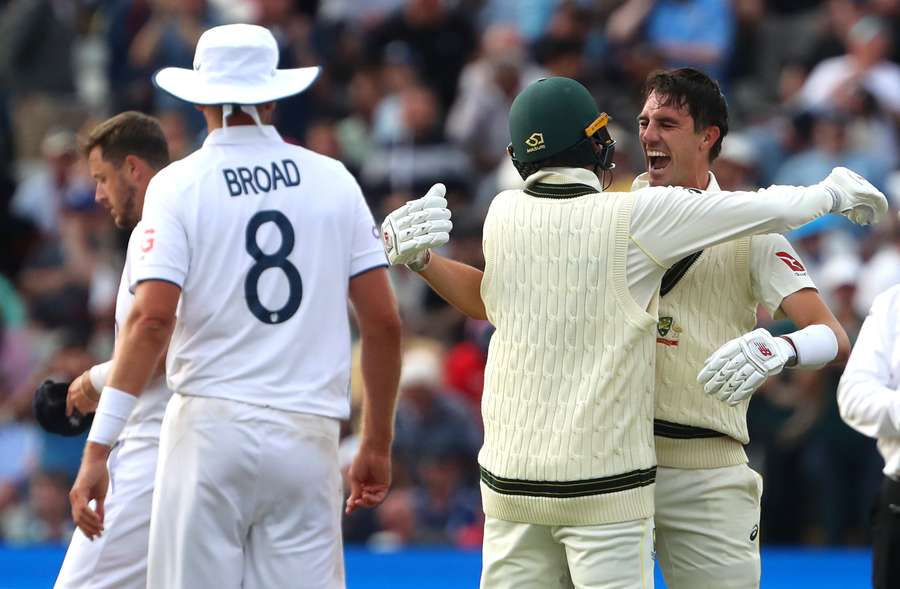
(571, 283)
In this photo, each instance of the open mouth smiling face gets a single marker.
(665, 131)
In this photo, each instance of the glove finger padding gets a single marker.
(754, 357)
(718, 382)
(855, 197)
(862, 215)
(417, 243)
(429, 214)
(719, 358)
(433, 199)
(425, 229)
(736, 381)
(417, 226)
(753, 381)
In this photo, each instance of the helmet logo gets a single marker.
(535, 142)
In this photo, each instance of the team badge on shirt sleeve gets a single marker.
(791, 262)
(148, 241)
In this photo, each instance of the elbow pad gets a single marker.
(816, 346)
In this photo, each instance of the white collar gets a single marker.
(565, 176)
(643, 181)
(237, 134)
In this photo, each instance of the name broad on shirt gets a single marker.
(261, 179)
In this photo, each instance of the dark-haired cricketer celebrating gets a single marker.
(571, 283)
(707, 497)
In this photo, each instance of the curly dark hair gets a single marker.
(694, 90)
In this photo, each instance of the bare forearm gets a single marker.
(381, 375)
(842, 340)
(143, 342)
(459, 284)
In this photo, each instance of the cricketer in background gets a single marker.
(869, 402)
(123, 154)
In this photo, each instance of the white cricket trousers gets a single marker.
(118, 558)
(246, 497)
(707, 527)
(531, 556)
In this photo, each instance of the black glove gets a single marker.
(50, 410)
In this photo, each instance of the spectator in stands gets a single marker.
(465, 362)
(865, 65)
(430, 417)
(37, 38)
(442, 39)
(881, 271)
(736, 166)
(830, 147)
(445, 504)
(58, 185)
(168, 38)
(684, 33)
(355, 129)
(488, 84)
(44, 518)
(421, 153)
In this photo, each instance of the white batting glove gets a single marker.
(412, 230)
(740, 366)
(854, 197)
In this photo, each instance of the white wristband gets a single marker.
(816, 346)
(112, 413)
(99, 373)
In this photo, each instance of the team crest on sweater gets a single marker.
(668, 331)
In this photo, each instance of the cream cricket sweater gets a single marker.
(713, 303)
(568, 397)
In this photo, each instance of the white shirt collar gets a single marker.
(643, 181)
(565, 176)
(239, 134)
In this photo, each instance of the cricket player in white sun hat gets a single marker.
(264, 242)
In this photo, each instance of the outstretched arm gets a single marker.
(671, 223)
(459, 284)
(409, 235)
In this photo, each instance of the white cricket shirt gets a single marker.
(146, 418)
(867, 394)
(263, 238)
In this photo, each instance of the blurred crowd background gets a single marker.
(416, 91)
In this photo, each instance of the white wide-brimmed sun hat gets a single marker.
(235, 64)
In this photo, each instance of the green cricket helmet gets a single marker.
(555, 121)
